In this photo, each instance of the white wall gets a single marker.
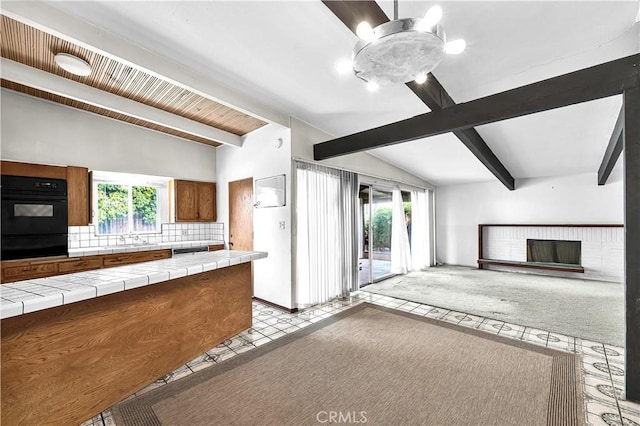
(38, 131)
(555, 200)
(374, 170)
(258, 158)
(304, 136)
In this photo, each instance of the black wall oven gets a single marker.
(34, 217)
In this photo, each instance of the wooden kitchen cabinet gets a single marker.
(81, 264)
(15, 168)
(186, 201)
(78, 193)
(206, 202)
(135, 257)
(195, 201)
(26, 269)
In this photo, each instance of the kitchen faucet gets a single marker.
(131, 236)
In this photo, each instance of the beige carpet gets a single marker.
(376, 366)
(592, 310)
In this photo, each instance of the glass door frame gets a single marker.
(370, 210)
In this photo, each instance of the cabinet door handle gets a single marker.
(71, 259)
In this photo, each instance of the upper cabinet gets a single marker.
(78, 186)
(78, 193)
(195, 201)
(206, 202)
(186, 200)
(15, 168)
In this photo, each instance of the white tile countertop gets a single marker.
(27, 296)
(130, 248)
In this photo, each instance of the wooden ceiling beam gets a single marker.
(42, 80)
(436, 98)
(432, 93)
(613, 151)
(351, 13)
(631, 136)
(600, 81)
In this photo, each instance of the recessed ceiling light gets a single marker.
(73, 64)
(372, 86)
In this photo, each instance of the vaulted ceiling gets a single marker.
(264, 60)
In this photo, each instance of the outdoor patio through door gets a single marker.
(375, 233)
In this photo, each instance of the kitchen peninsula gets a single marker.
(75, 344)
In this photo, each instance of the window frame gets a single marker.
(161, 184)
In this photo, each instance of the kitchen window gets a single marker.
(125, 203)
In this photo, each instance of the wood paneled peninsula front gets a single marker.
(75, 344)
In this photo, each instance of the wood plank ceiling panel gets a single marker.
(35, 48)
(102, 111)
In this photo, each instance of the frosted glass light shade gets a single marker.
(73, 64)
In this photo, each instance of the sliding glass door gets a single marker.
(381, 218)
(375, 234)
(364, 224)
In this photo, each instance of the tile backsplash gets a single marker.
(85, 236)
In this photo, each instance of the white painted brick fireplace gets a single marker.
(602, 248)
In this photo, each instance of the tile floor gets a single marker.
(602, 365)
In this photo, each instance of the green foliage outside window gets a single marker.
(382, 229)
(113, 208)
(382, 226)
(145, 206)
(407, 207)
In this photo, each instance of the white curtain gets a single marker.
(400, 251)
(326, 233)
(420, 252)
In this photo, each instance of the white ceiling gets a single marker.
(283, 54)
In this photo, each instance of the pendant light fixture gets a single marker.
(401, 50)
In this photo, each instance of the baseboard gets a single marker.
(273, 305)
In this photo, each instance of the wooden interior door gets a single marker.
(241, 214)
